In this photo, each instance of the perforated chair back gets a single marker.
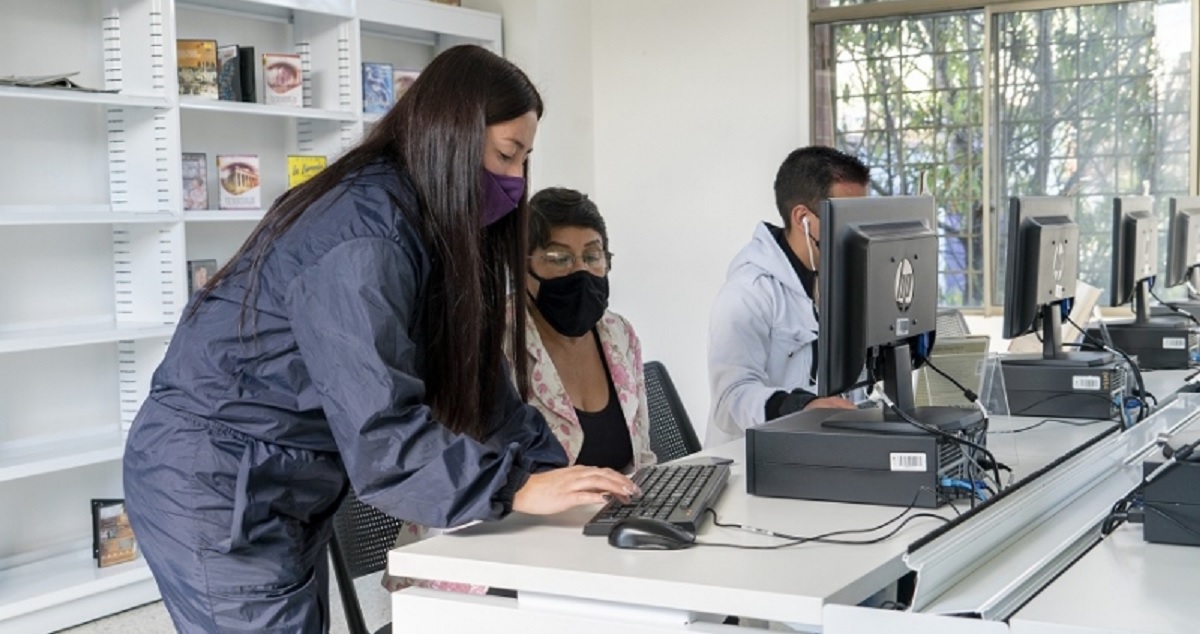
(362, 537)
(671, 433)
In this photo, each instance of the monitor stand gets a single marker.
(1053, 354)
(898, 385)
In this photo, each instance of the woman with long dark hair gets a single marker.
(355, 339)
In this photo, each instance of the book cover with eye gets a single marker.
(302, 168)
(283, 80)
(113, 541)
(197, 66)
(238, 179)
(195, 180)
(377, 87)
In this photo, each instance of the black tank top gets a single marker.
(606, 441)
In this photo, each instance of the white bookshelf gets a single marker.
(27, 458)
(28, 215)
(223, 215)
(234, 107)
(96, 98)
(94, 243)
(64, 589)
(60, 336)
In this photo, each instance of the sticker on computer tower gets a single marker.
(1085, 383)
(1174, 343)
(908, 462)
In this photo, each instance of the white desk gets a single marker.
(1122, 586)
(568, 582)
(550, 556)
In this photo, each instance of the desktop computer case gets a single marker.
(1166, 343)
(1064, 392)
(1172, 504)
(795, 457)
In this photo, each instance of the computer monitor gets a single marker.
(1135, 254)
(1039, 286)
(1183, 242)
(877, 297)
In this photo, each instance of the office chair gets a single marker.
(362, 537)
(671, 432)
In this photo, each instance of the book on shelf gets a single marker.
(402, 79)
(195, 180)
(377, 87)
(197, 61)
(61, 80)
(283, 80)
(301, 168)
(229, 74)
(247, 72)
(199, 272)
(238, 178)
(113, 541)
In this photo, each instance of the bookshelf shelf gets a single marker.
(33, 594)
(46, 337)
(238, 107)
(26, 458)
(216, 215)
(27, 215)
(76, 96)
(273, 9)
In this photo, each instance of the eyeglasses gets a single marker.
(563, 262)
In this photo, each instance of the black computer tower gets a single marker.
(1165, 343)
(1050, 391)
(1171, 504)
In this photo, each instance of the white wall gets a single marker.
(696, 104)
(551, 41)
(675, 115)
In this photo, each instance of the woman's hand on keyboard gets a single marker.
(555, 491)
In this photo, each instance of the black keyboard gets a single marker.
(677, 493)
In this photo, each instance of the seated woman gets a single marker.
(585, 361)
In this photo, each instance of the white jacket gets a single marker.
(761, 335)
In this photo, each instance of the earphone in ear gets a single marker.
(808, 243)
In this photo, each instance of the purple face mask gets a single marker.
(501, 195)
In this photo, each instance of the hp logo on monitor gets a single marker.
(905, 283)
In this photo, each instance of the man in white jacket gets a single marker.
(763, 327)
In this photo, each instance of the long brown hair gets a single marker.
(436, 132)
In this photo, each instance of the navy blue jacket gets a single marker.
(329, 358)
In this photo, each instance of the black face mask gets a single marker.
(572, 304)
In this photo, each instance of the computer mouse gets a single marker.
(641, 533)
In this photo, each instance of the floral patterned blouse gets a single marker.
(623, 354)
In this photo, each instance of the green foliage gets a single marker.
(1087, 104)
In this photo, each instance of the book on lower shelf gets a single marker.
(239, 182)
(377, 87)
(197, 63)
(283, 80)
(301, 168)
(113, 541)
(199, 272)
(195, 180)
